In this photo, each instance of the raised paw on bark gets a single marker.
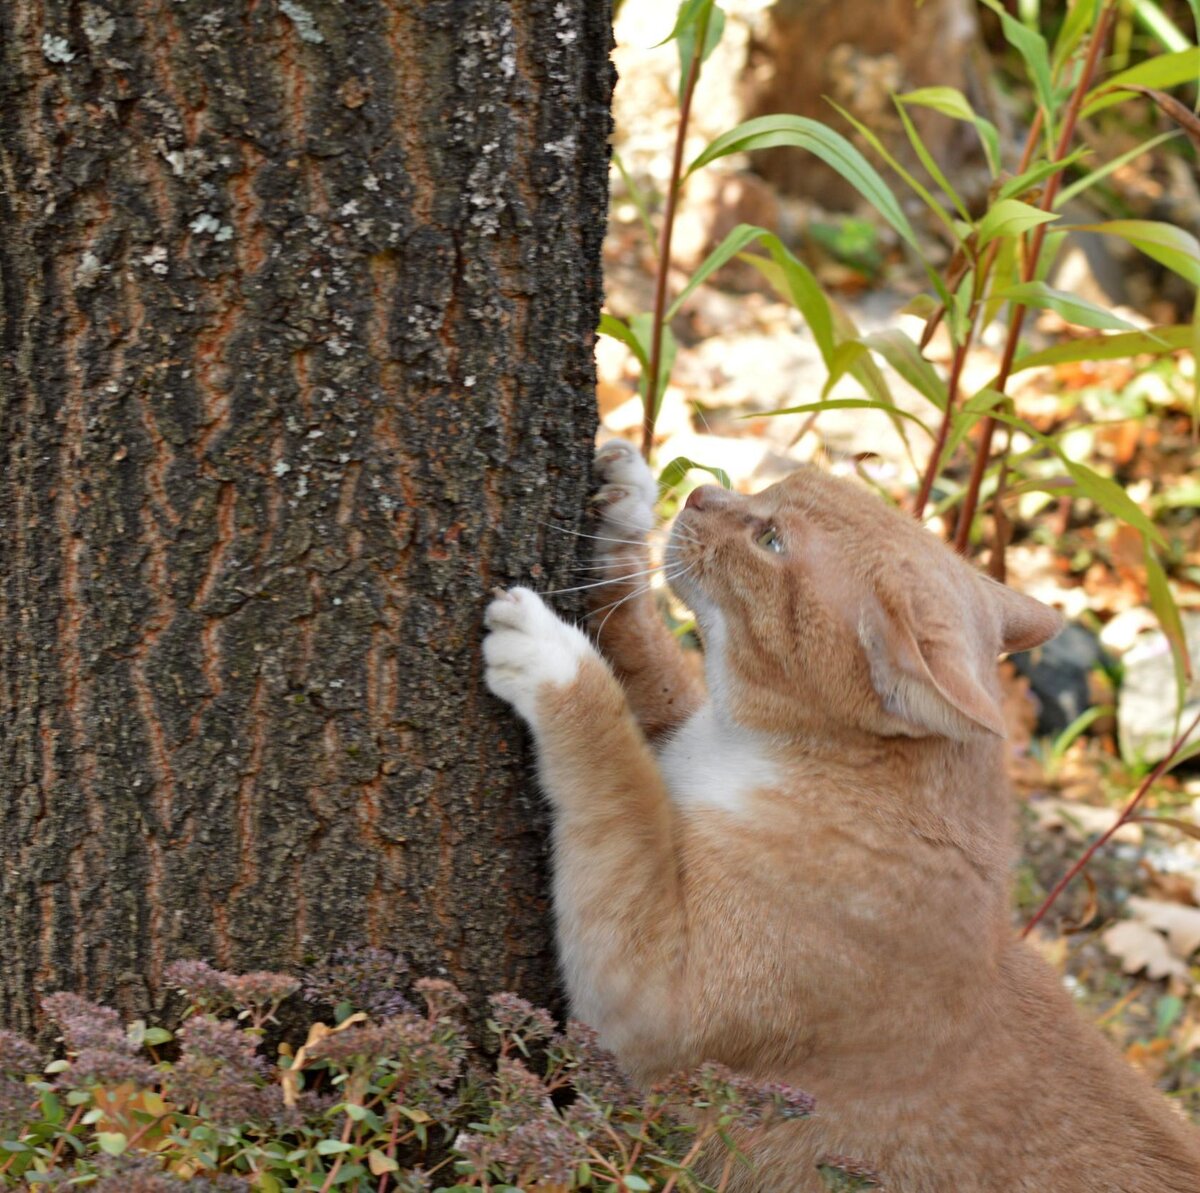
(626, 499)
(527, 647)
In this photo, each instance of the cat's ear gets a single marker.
(930, 687)
(1024, 622)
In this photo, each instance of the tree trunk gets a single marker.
(298, 308)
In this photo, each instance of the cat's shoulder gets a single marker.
(712, 762)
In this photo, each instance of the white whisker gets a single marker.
(602, 583)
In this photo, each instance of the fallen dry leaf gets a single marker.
(317, 1032)
(1180, 923)
(1139, 947)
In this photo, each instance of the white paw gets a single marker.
(527, 647)
(626, 499)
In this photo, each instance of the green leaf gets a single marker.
(905, 357)
(642, 327)
(329, 1147)
(1162, 71)
(847, 404)
(918, 188)
(157, 1035)
(1110, 497)
(637, 1183)
(1010, 217)
(1090, 179)
(1032, 47)
(686, 18)
(113, 1143)
(618, 329)
(738, 239)
(1105, 492)
(1157, 341)
(1020, 183)
(1073, 309)
(797, 283)
(1079, 20)
(52, 1110)
(679, 467)
(832, 148)
(930, 162)
(1162, 601)
(1178, 250)
(687, 43)
(967, 416)
(951, 102)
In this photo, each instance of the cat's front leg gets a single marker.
(663, 681)
(617, 896)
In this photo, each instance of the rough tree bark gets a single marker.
(298, 304)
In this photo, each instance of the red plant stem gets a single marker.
(931, 469)
(960, 356)
(337, 1165)
(1066, 135)
(664, 248)
(1126, 813)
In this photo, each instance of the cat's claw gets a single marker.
(527, 647)
(626, 499)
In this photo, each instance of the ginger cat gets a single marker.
(804, 873)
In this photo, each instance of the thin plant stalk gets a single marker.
(664, 247)
(960, 351)
(1126, 813)
(1017, 317)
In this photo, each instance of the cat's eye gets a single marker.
(769, 540)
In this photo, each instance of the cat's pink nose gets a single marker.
(704, 498)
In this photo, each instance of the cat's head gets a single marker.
(822, 607)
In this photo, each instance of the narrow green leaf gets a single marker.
(1162, 601)
(930, 162)
(618, 329)
(1160, 70)
(1111, 498)
(686, 42)
(832, 148)
(1020, 183)
(1032, 47)
(639, 202)
(971, 411)
(737, 240)
(1073, 309)
(905, 357)
(1104, 491)
(847, 404)
(1157, 341)
(1178, 250)
(951, 102)
(1077, 728)
(1079, 20)
(679, 467)
(917, 187)
(1092, 177)
(797, 283)
(1011, 217)
(686, 18)
(642, 327)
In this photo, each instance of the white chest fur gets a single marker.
(712, 763)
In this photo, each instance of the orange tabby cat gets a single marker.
(804, 873)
